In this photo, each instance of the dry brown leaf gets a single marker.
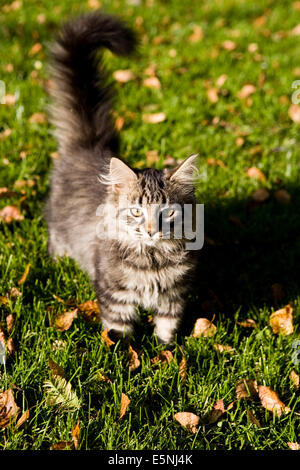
(249, 323)
(270, 400)
(294, 113)
(294, 445)
(5, 134)
(38, 118)
(246, 388)
(239, 141)
(223, 348)
(123, 76)
(246, 91)
(119, 123)
(104, 335)
(204, 327)
(183, 366)
(22, 419)
(253, 419)
(63, 445)
(197, 34)
(152, 157)
(134, 361)
(76, 435)
(56, 369)
(8, 408)
(188, 420)
(90, 310)
(154, 118)
(102, 378)
(10, 346)
(25, 275)
(152, 82)
(64, 321)
(282, 196)
(216, 413)
(294, 379)
(212, 94)
(260, 195)
(10, 321)
(281, 321)
(94, 4)
(221, 80)
(124, 405)
(36, 48)
(256, 173)
(10, 213)
(228, 45)
(10, 100)
(164, 357)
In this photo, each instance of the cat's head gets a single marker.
(150, 202)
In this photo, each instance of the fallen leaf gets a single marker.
(246, 91)
(14, 293)
(8, 408)
(294, 113)
(183, 366)
(10, 347)
(228, 45)
(123, 76)
(5, 134)
(216, 413)
(221, 80)
(281, 321)
(204, 327)
(76, 435)
(10, 213)
(223, 348)
(63, 445)
(102, 378)
(253, 47)
(22, 419)
(134, 361)
(187, 420)
(152, 157)
(124, 405)
(152, 82)
(164, 357)
(294, 379)
(253, 419)
(64, 321)
(256, 173)
(56, 369)
(246, 388)
(119, 123)
(239, 141)
(260, 195)
(294, 445)
(90, 311)
(36, 48)
(197, 34)
(249, 323)
(212, 94)
(106, 338)
(10, 321)
(154, 118)
(10, 100)
(270, 400)
(25, 275)
(282, 196)
(94, 4)
(38, 118)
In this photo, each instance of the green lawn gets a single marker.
(249, 248)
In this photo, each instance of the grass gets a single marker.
(249, 248)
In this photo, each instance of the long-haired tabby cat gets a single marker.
(140, 266)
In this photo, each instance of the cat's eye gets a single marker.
(171, 212)
(136, 212)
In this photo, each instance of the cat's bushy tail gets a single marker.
(81, 111)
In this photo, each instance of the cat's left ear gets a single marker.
(184, 173)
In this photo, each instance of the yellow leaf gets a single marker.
(134, 361)
(124, 405)
(281, 321)
(106, 338)
(25, 275)
(204, 327)
(64, 321)
(187, 420)
(76, 435)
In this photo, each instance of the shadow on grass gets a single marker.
(251, 258)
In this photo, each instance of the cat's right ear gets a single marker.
(120, 175)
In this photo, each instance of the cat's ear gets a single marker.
(120, 175)
(184, 173)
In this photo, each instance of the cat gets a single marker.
(140, 267)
